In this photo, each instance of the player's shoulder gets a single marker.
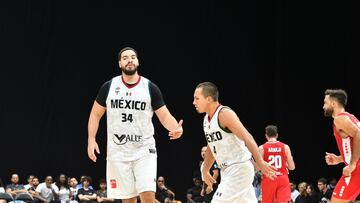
(226, 115)
(150, 83)
(286, 146)
(225, 110)
(343, 115)
(106, 85)
(108, 82)
(118, 77)
(342, 118)
(144, 78)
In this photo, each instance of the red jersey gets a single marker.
(348, 187)
(278, 189)
(274, 153)
(345, 144)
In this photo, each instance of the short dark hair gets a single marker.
(102, 180)
(87, 178)
(209, 89)
(30, 176)
(271, 131)
(125, 49)
(323, 181)
(338, 94)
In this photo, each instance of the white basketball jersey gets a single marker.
(226, 147)
(129, 121)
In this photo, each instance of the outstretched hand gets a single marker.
(175, 134)
(92, 147)
(268, 170)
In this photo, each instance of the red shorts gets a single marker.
(277, 190)
(348, 188)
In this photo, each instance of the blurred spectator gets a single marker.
(193, 194)
(29, 181)
(73, 188)
(294, 191)
(64, 189)
(2, 189)
(303, 197)
(332, 184)
(80, 185)
(163, 193)
(325, 193)
(86, 194)
(32, 189)
(257, 184)
(47, 191)
(15, 188)
(314, 196)
(101, 194)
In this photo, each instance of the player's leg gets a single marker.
(283, 193)
(336, 200)
(147, 197)
(145, 175)
(120, 181)
(236, 184)
(347, 188)
(131, 200)
(268, 190)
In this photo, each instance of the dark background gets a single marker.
(271, 60)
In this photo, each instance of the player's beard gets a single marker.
(328, 112)
(129, 72)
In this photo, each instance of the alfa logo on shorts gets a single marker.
(218, 194)
(113, 183)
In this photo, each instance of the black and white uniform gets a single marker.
(233, 158)
(131, 151)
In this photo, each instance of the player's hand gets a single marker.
(92, 147)
(347, 170)
(209, 180)
(268, 170)
(208, 190)
(331, 159)
(175, 134)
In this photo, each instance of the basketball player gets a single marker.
(347, 135)
(130, 101)
(278, 155)
(231, 145)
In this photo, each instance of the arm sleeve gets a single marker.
(103, 93)
(157, 100)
